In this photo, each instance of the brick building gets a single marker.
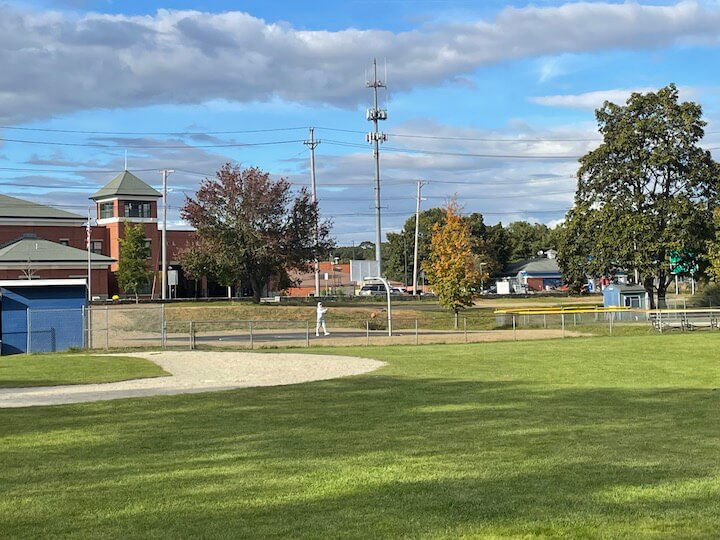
(47, 242)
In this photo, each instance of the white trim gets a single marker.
(41, 282)
(107, 221)
(54, 265)
(148, 198)
(44, 222)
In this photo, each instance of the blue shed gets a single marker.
(42, 315)
(633, 296)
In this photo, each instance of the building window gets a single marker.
(64, 241)
(137, 209)
(148, 247)
(96, 246)
(107, 210)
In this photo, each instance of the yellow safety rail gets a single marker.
(560, 310)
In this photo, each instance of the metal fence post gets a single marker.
(659, 318)
(417, 340)
(163, 327)
(544, 321)
(192, 335)
(89, 325)
(107, 327)
(250, 324)
(367, 332)
(562, 323)
(465, 328)
(307, 333)
(612, 316)
(514, 329)
(29, 331)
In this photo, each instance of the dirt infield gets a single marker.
(231, 340)
(198, 371)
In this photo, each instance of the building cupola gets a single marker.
(126, 198)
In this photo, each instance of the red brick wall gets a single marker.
(176, 242)
(75, 234)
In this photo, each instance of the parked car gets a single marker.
(378, 289)
(372, 290)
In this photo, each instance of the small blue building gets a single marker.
(42, 315)
(632, 296)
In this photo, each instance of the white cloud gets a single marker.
(595, 99)
(57, 62)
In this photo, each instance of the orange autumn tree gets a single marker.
(452, 266)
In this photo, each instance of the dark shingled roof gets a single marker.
(125, 183)
(10, 207)
(540, 265)
(34, 249)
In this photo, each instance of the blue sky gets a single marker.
(518, 81)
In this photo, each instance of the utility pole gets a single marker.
(417, 234)
(312, 143)
(165, 173)
(88, 232)
(374, 115)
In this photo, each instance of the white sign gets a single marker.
(172, 278)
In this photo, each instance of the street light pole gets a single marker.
(417, 234)
(165, 173)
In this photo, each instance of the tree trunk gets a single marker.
(661, 292)
(649, 285)
(137, 298)
(256, 290)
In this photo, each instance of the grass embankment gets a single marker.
(56, 369)
(226, 316)
(583, 437)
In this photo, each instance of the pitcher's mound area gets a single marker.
(199, 371)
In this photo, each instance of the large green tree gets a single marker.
(251, 228)
(646, 193)
(399, 250)
(133, 274)
(527, 239)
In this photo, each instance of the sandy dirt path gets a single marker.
(198, 371)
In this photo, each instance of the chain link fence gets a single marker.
(154, 326)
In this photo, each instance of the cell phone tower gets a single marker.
(374, 114)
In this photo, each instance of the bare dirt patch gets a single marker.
(199, 371)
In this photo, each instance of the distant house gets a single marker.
(536, 274)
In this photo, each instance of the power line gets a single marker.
(90, 132)
(511, 140)
(478, 139)
(149, 147)
(460, 154)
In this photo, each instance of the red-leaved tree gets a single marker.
(251, 228)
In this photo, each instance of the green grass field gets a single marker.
(596, 437)
(56, 369)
